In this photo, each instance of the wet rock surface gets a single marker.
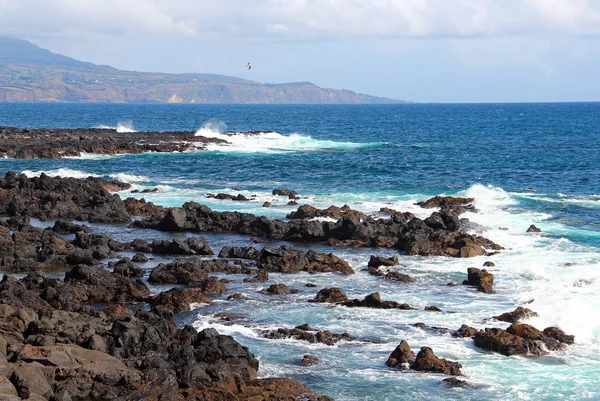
(307, 333)
(482, 279)
(523, 339)
(374, 301)
(425, 361)
(517, 315)
(440, 235)
(56, 143)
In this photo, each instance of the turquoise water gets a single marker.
(523, 163)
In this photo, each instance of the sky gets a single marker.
(415, 50)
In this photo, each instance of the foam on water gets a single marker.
(122, 127)
(70, 173)
(272, 142)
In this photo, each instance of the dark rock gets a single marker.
(481, 279)
(116, 311)
(68, 227)
(310, 285)
(179, 299)
(533, 229)
(465, 331)
(309, 360)
(331, 295)
(559, 335)
(309, 212)
(261, 277)
(378, 261)
(402, 357)
(280, 289)
(286, 259)
(517, 315)
(236, 295)
(126, 268)
(267, 204)
(139, 258)
(489, 264)
(286, 192)
(460, 205)
(191, 271)
(306, 333)
(455, 382)
(374, 301)
(239, 252)
(426, 361)
(432, 309)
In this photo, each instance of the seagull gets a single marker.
(249, 65)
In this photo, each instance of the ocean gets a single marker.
(523, 163)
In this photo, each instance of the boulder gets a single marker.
(307, 333)
(378, 261)
(280, 289)
(331, 295)
(286, 259)
(517, 315)
(179, 299)
(426, 361)
(374, 301)
(533, 229)
(309, 360)
(481, 279)
(402, 357)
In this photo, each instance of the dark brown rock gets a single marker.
(481, 279)
(331, 295)
(533, 229)
(402, 357)
(426, 361)
(517, 315)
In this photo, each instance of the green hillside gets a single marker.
(30, 73)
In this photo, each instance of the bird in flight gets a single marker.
(249, 65)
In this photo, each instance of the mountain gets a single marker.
(30, 73)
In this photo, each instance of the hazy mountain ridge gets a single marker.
(30, 73)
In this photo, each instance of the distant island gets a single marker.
(29, 73)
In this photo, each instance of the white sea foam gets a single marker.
(70, 173)
(272, 142)
(122, 127)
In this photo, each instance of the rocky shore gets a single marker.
(76, 326)
(56, 143)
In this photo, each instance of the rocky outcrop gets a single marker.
(334, 212)
(222, 196)
(307, 333)
(81, 354)
(523, 339)
(239, 252)
(533, 229)
(286, 259)
(378, 261)
(374, 301)
(189, 246)
(465, 331)
(57, 143)
(482, 279)
(280, 289)
(179, 299)
(441, 235)
(457, 204)
(126, 268)
(516, 316)
(331, 295)
(192, 271)
(48, 198)
(68, 227)
(291, 194)
(139, 207)
(425, 361)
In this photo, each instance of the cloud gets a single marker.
(301, 19)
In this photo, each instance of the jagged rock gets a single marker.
(222, 196)
(126, 268)
(426, 361)
(402, 357)
(139, 258)
(460, 205)
(455, 382)
(239, 252)
(280, 289)
(465, 331)
(374, 301)
(378, 261)
(515, 316)
(533, 229)
(286, 259)
(522, 339)
(481, 279)
(331, 295)
(189, 246)
(307, 333)
(261, 277)
(309, 360)
(139, 207)
(267, 204)
(489, 264)
(309, 212)
(191, 271)
(48, 198)
(236, 295)
(68, 227)
(432, 309)
(179, 299)
(286, 192)
(116, 310)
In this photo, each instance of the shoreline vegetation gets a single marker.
(97, 331)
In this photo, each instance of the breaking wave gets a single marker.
(272, 142)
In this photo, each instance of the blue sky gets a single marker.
(418, 50)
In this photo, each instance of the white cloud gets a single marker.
(301, 19)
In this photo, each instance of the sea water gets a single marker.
(523, 163)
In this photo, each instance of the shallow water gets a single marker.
(523, 163)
